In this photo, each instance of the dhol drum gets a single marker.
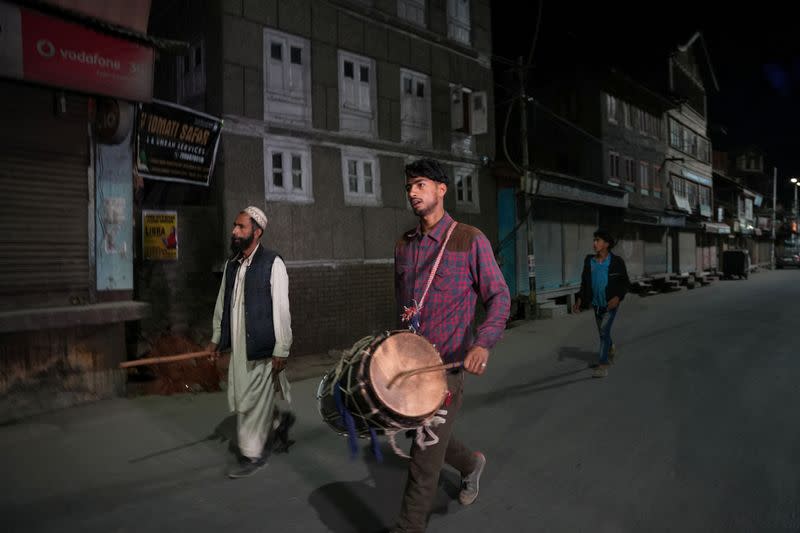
(364, 378)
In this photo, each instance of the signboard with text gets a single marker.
(175, 143)
(40, 48)
(160, 235)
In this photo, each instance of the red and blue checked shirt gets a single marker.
(468, 269)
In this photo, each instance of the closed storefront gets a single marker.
(563, 236)
(686, 259)
(655, 250)
(44, 198)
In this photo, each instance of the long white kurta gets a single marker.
(251, 391)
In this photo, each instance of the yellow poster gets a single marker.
(160, 235)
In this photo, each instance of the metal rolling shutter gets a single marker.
(655, 251)
(687, 254)
(548, 247)
(580, 224)
(44, 195)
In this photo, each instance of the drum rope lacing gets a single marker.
(424, 433)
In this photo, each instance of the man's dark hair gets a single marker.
(606, 236)
(429, 168)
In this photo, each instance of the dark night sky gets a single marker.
(755, 54)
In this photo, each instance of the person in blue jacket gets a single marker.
(604, 283)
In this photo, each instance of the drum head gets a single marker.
(415, 396)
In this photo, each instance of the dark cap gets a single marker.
(428, 168)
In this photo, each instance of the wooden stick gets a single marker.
(164, 359)
(423, 370)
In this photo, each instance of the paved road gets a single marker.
(695, 429)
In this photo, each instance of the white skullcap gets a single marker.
(258, 215)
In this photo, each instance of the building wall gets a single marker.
(631, 143)
(49, 369)
(339, 256)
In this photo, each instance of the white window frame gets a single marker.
(412, 11)
(626, 115)
(644, 178)
(656, 182)
(464, 114)
(355, 110)
(408, 123)
(613, 173)
(630, 173)
(282, 105)
(195, 78)
(709, 193)
(361, 158)
(459, 26)
(611, 108)
(462, 203)
(288, 147)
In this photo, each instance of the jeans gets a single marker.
(604, 319)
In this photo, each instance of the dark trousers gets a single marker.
(426, 465)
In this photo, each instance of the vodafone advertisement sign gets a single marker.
(39, 48)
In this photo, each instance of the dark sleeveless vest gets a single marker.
(257, 305)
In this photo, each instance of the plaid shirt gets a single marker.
(468, 269)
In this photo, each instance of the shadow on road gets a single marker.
(525, 389)
(371, 505)
(570, 352)
(224, 432)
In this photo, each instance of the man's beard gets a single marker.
(239, 245)
(422, 210)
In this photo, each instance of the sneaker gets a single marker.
(600, 372)
(470, 483)
(246, 468)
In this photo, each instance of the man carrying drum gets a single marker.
(441, 267)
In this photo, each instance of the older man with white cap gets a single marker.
(252, 320)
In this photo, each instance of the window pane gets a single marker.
(277, 169)
(296, 55)
(353, 184)
(367, 169)
(459, 188)
(420, 90)
(368, 185)
(468, 179)
(408, 86)
(365, 74)
(352, 167)
(276, 51)
(349, 69)
(297, 171)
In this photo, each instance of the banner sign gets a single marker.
(175, 143)
(43, 49)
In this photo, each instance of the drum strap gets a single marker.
(411, 314)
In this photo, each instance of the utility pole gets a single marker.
(528, 188)
(774, 204)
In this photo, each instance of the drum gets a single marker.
(363, 376)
